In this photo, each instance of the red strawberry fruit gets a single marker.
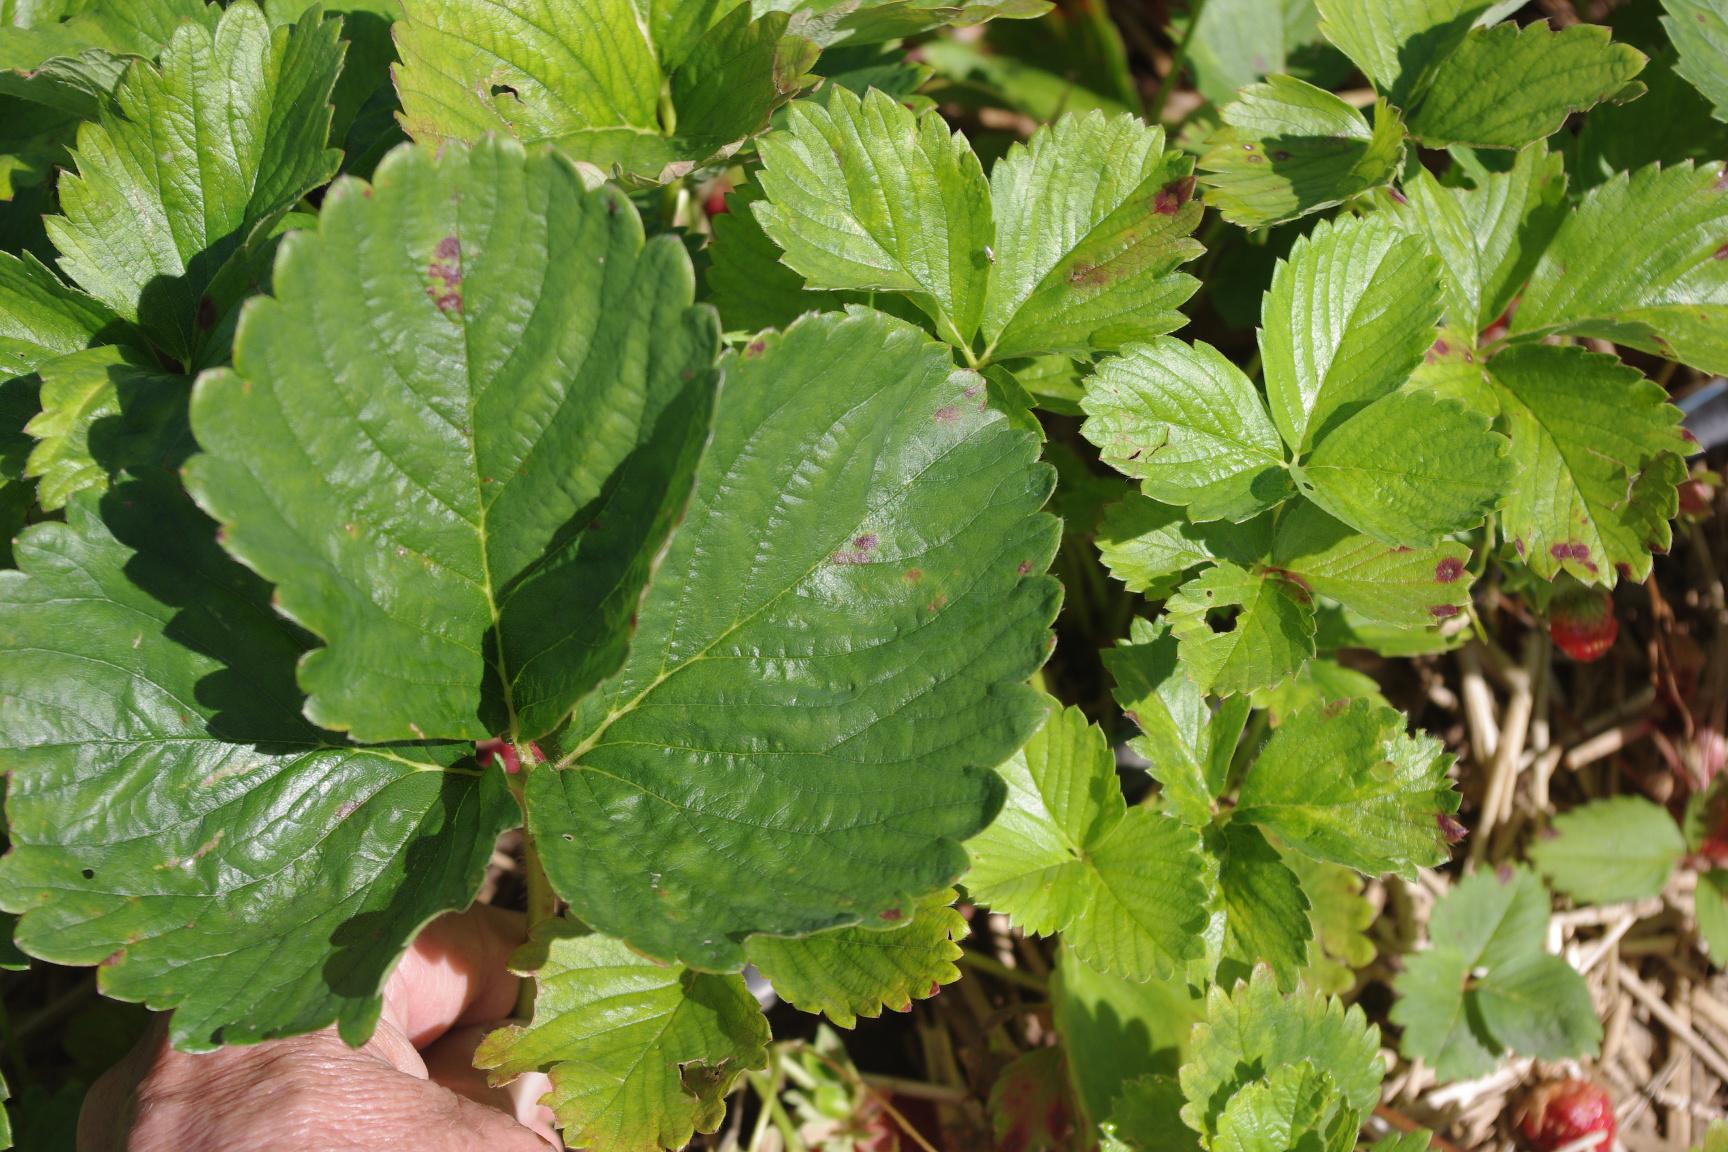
(1582, 623)
(1565, 1113)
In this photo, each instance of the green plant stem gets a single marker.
(1001, 971)
(772, 1110)
(542, 900)
(1178, 59)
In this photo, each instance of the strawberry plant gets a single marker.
(676, 435)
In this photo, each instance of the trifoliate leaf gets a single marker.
(103, 410)
(1408, 469)
(1411, 587)
(1710, 903)
(1147, 1117)
(1252, 1030)
(1396, 43)
(1234, 43)
(1340, 915)
(863, 194)
(1699, 30)
(1431, 1009)
(1093, 217)
(1188, 425)
(70, 55)
(641, 1054)
(1506, 86)
(852, 22)
(1537, 1005)
(1270, 637)
(1622, 848)
(1186, 746)
(1595, 462)
(475, 402)
(1344, 783)
(853, 972)
(1116, 1030)
(835, 646)
(195, 160)
(1265, 911)
(1066, 854)
(1489, 236)
(1349, 316)
(1285, 1112)
(1148, 546)
(226, 860)
(1289, 148)
(651, 98)
(1487, 968)
(40, 317)
(1640, 263)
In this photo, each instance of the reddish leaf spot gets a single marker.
(860, 551)
(114, 958)
(1025, 567)
(1397, 196)
(1280, 155)
(946, 414)
(1722, 252)
(1448, 570)
(1172, 196)
(913, 575)
(1450, 828)
(207, 313)
(1443, 611)
(939, 603)
(1518, 545)
(755, 348)
(890, 914)
(1086, 275)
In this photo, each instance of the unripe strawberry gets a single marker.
(1564, 1112)
(1582, 623)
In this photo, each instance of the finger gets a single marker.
(450, 1062)
(455, 972)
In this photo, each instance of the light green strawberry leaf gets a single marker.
(851, 972)
(1252, 1029)
(1093, 218)
(1187, 746)
(1488, 236)
(834, 651)
(1507, 86)
(641, 1055)
(1270, 638)
(41, 317)
(194, 162)
(1122, 885)
(1266, 913)
(1320, 682)
(1607, 851)
(155, 697)
(1348, 318)
(651, 98)
(1408, 587)
(1188, 425)
(69, 55)
(1699, 30)
(1640, 262)
(1486, 984)
(862, 194)
(103, 410)
(1710, 905)
(1340, 915)
(1234, 43)
(432, 515)
(1595, 461)
(1344, 783)
(1289, 148)
(1397, 43)
(1408, 469)
(853, 22)
(1291, 1110)
(1150, 546)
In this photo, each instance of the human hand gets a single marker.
(412, 1086)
